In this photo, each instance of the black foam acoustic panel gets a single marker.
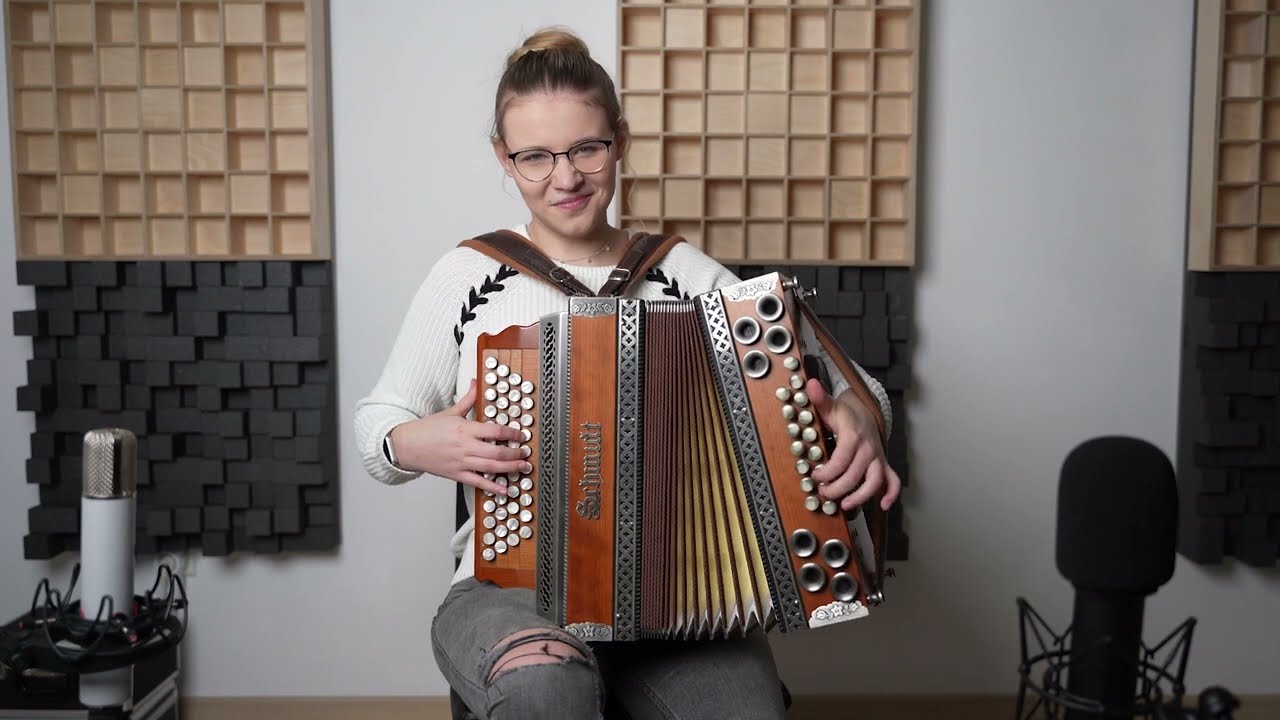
(1229, 418)
(225, 373)
(868, 309)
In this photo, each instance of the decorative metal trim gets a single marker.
(592, 307)
(550, 572)
(746, 445)
(630, 467)
(751, 289)
(835, 612)
(590, 631)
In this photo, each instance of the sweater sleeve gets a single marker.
(702, 273)
(421, 373)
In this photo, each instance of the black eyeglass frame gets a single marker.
(555, 158)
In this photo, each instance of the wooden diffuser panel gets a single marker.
(1235, 148)
(773, 131)
(169, 129)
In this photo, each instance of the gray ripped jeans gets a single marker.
(648, 679)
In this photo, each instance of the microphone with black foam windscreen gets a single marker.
(107, 509)
(1117, 528)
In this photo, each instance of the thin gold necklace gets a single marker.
(586, 258)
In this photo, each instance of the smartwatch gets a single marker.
(389, 451)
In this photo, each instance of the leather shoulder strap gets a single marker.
(508, 247)
(644, 252)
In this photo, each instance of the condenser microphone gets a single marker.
(107, 508)
(1117, 528)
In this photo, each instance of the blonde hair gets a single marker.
(552, 59)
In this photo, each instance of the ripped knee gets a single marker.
(535, 646)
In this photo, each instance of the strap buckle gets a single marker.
(620, 275)
(566, 280)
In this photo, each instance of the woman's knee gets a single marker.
(542, 672)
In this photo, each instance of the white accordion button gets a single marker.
(783, 394)
(490, 378)
(805, 417)
(815, 453)
(801, 399)
(489, 505)
(490, 362)
(490, 411)
(829, 507)
(526, 468)
(513, 491)
(809, 435)
(526, 484)
(797, 382)
(806, 484)
(526, 402)
(793, 430)
(791, 363)
(514, 424)
(526, 532)
(489, 522)
(526, 387)
(500, 546)
(526, 516)
(513, 507)
(513, 540)
(525, 435)
(490, 394)
(503, 371)
(812, 503)
(503, 387)
(526, 500)
(502, 403)
(502, 418)
(488, 538)
(501, 531)
(514, 411)
(525, 451)
(515, 395)
(500, 513)
(788, 412)
(526, 420)
(797, 448)
(513, 523)
(489, 554)
(802, 467)
(515, 378)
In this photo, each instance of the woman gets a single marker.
(559, 134)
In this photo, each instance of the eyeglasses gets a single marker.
(587, 157)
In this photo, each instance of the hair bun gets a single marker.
(552, 38)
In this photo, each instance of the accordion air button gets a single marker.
(803, 542)
(489, 522)
(812, 503)
(526, 500)
(490, 394)
(515, 379)
(500, 546)
(796, 382)
(806, 484)
(490, 411)
(793, 429)
(490, 362)
(489, 506)
(503, 371)
(777, 339)
(815, 453)
(844, 588)
(797, 448)
(809, 434)
(830, 507)
(755, 364)
(526, 532)
(812, 577)
(503, 387)
(805, 417)
(802, 467)
(526, 516)
(769, 307)
(488, 554)
(488, 538)
(791, 363)
(526, 420)
(513, 540)
(835, 553)
(526, 402)
(788, 412)
(746, 330)
(800, 399)
(783, 394)
(526, 387)
(490, 378)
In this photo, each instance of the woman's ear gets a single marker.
(500, 151)
(622, 139)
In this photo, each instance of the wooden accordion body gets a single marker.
(667, 493)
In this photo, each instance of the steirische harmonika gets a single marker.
(667, 491)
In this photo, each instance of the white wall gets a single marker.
(1047, 311)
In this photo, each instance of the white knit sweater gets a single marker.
(466, 294)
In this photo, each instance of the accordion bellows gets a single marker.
(667, 491)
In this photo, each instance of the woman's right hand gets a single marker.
(449, 445)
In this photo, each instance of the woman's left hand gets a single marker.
(857, 469)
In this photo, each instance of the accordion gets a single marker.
(667, 489)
